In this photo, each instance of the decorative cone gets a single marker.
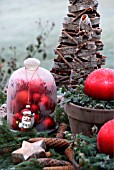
(78, 51)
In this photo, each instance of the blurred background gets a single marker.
(21, 22)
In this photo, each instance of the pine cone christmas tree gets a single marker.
(78, 51)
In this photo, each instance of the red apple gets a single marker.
(34, 108)
(105, 138)
(100, 84)
(36, 97)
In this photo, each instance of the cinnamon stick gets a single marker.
(74, 2)
(68, 64)
(70, 37)
(88, 9)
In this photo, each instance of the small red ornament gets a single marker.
(105, 138)
(36, 87)
(46, 100)
(36, 97)
(34, 108)
(48, 123)
(36, 118)
(16, 120)
(22, 97)
(100, 84)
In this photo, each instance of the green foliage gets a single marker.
(2, 98)
(78, 97)
(56, 155)
(87, 155)
(12, 140)
(28, 165)
(61, 115)
(6, 161)
(7, 66)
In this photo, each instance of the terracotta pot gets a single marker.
(82, 119)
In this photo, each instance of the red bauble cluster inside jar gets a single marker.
(33, 90)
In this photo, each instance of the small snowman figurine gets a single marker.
(27, 121)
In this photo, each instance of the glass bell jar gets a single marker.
(31, 97)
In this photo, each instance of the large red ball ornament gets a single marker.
(22, 97)
(100, 84)
(48, 123)
(105, 138)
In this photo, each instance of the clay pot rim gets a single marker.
(90, 109)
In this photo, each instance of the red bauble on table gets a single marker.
(105, 138)
(48, 123)
(100, 84)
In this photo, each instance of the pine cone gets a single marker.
(59, 168)
(52, 162)
(53, 142)
(61, 130)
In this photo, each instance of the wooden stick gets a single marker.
(81, 76)
(78, 60)
(74, 2)
(80, 47)
(75, 19)
(70, 37)
(62, 79)
(58, 52)
(81, 32)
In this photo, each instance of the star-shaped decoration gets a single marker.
(29, 150)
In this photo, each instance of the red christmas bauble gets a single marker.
(36, 97)
(34, 108)
(105, 138)
(15, 120)
(46, 100)
(48, 123)
(22, 97)
(36, 118)
(100, 84)
(36, 87)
